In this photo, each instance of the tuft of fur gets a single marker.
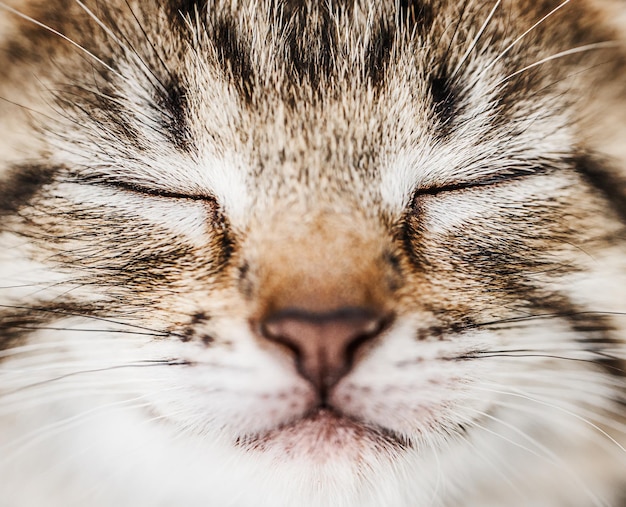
(174, 174)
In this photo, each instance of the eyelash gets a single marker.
(138, 189)
(491, 181)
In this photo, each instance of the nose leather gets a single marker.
(324, 343)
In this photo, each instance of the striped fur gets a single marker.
(174, 174)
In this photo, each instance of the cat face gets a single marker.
(373, 251)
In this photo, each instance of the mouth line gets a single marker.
(327, 422)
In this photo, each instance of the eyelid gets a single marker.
(140, 189)
(488, 181)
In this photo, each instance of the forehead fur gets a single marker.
(331, 95)
(310, 54)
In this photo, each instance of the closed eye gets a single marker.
(138, 188)
(487, 181)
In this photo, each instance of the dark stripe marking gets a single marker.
(603, 179)
(416, 15)
(181, 9)
(22, 184)
(234, 55)
(175, 103)
(378, 53)
(19, 321)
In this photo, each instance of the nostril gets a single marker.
(324, 343)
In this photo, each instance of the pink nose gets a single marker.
(325, 343)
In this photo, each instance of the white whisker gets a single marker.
(123, 46)
(516, 393)
(542, 452)
(15, 405)
(504, 52)
(580, 49)
(16, 447)
(500, 467)
(567, 426)
(475, 41)
(64, 37)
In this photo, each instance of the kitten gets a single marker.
(299, 253)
